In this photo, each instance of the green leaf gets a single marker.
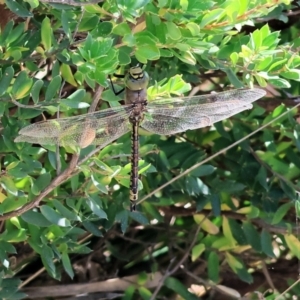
(21, 86)
(95, 208)
(293, 244)
(41, 183)
(227, 232)
(67, 264)
(212, 16)
(203, 170)
(15, 34)
(92, 228)
(66, 20)
(122, 217)
(173, 31)
(105, 28)
(264, 63)
(35, 218)
(5, 80)
(230, 186)
(261, 177)
(197, 251)
(33, 3)
(47, 257)
(246, 52)
(67, 74)
(216, 204)
(90, 23)
(176, 286)
(7, 247)
(6, 32)
(52, 216)
(265, 31)
(186, 57)
(77, 96)
(98, 184)
(139, 217)
(244, 275)
(137, 4)
(8, 184)
(53, 88)
(234, 263)
(36, 89)
(213, 266)
(144, 293)
(281, 212)
(124, 55)
(194, 28)
(15, 235)
(234, 57)
(143, 54)
(65, 212)
(233, 78)
(129, 293)
(266, 243)
(122, 29)
(9, 288)
(74, 104)
(18, 9)
(46, 33)
(256, 38)
(293, 74)
(261, 81)
(129, 40)
(297, 208)
(252, 236)
(277, 65)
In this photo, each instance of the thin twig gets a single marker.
(289, 288)
(267, 276)
(178, 265)
(78, 23)
(96, 98)
(35, 106)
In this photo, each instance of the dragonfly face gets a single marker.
(136, 79)
(163, 116)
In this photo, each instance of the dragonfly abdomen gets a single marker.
(139, 103)
(134, 176)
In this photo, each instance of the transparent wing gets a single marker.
(169, 116)
(98, 128)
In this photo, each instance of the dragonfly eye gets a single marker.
(136, 72)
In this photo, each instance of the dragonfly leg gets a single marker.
(112, 85)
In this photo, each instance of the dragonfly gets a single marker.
(160, 116)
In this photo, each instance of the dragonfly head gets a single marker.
(136, 78)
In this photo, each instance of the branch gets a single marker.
(66, 174)
(72, 2)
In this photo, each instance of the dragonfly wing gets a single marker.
(169, 116)
(99, 128)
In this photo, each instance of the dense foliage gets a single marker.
(216, 217)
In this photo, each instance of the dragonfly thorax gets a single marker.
(136, 79)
